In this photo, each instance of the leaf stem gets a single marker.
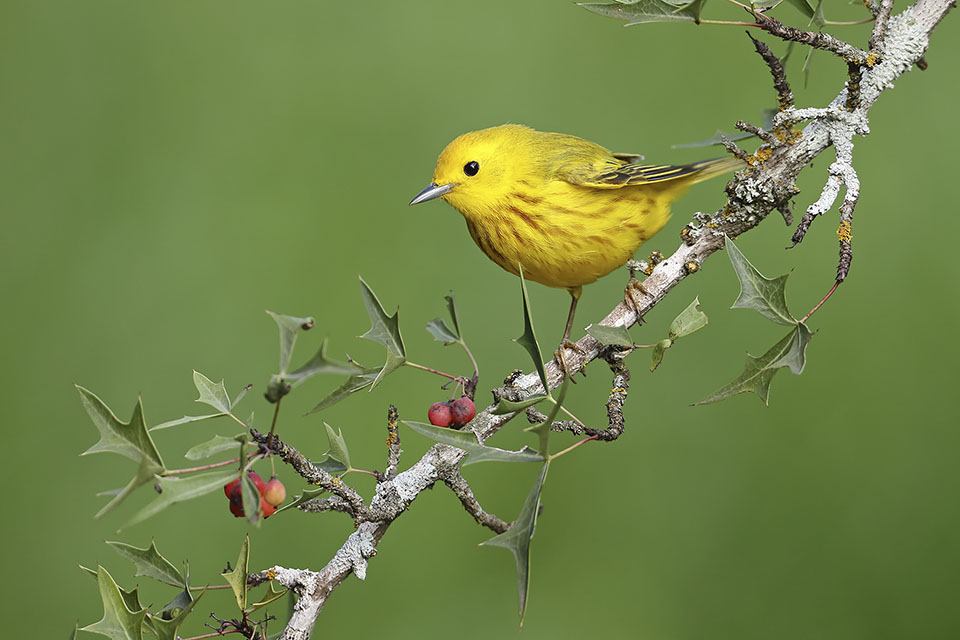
(369, 473)
(273, 424)
(819, 304)
(730, 23)
(203, 467)
(570, 448)
(423, 368)
(476, 369)
(215, 634)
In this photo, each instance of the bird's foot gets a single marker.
(631, 297)
(558, 355)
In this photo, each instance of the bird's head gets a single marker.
(479, 168)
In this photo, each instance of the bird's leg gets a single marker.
(565, 342)
(631, 294)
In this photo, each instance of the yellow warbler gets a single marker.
(566, 210)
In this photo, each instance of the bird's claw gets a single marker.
(631, 297)
(558, 355)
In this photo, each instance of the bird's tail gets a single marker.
(714, 167)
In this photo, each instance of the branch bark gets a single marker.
(769, 183)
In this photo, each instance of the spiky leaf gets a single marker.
(289, 327)
(211, 393)
(166, 626)
(318, 364)
(441, 332)
(618, 336)
(467, 440)
(217, 444)
(146, 472)
(271, 595)
(454, 316)
(177, 489)
(237, 578)
(383, 328)
(505, 406)
(543, 429)
(338, 446)
(352, 385)
(149, 562)
(185, 420)
(529, 339)
(129, 439)
(644, 11)
(120, 621)
(764, 295)
(517, 538)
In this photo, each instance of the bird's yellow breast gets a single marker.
(567, 235)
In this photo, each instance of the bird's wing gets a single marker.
(615, 173)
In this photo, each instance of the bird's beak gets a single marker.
(433, 191)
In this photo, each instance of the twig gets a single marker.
(393, 444)
(462, 490)
(784, 94)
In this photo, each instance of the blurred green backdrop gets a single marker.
(171, 169)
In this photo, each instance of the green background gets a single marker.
(169, 170)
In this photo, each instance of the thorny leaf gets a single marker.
(338, 446)
(289, 327)
(618, 336)
(467, 440)
(529, 339)
(129, 439)
(213, 394)
(119, 621)
(454, 316)
(765, 295)
(149, 562)
(177, 489)
(517, 538)
(441, 332)
(352, 385)
(385, 330)
(543, 429)
(271, 595)
(168, 628)
(758, 372)
(146, 472)
(186, 420)
(320, 363)
(237, 578)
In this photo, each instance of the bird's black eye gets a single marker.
(471, 168)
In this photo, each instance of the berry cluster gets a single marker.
(272, 494)
(452, 414)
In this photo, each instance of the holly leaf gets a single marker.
(758, 372)
(529, 339)
(467, 440)
(644, 11)
(185, 420)
(289, 327)
(146, 472)
(176, 489)
(217, 444)
(543, 429)
(337, 449)
(271, 595)
(128, 439)
(213, 394)
(393, 363)
(505, 406)
(383, 328)
(166, 626)
(120, 621)
(689, 320)
(352, 385)
(617, 336)
(237, 578)
(149, 562)
(454, 316)
(764, 295)
(320, 363)
(441, 332)
(517, 538)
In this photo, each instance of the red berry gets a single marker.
(274, 492)
(266, 508)
(439, 414)
(227, 488)
(257, 480)
(236, 509)
(463, 410)
(236, 495)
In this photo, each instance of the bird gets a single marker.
(562, 210)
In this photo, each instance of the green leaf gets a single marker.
(758, 372)
(689, 320)
(320, 363)
(176, 489)
(129, 439)
(167, 625)
(338, 446)
(505, 406)
(289, 327)
(212, 394)
(237, 579)
(271, 595)
(146, 472)
(352, 385)
(543, 429)
(618, 336)
(529, 339)
(517, 538)
(644, 11)
(393, 363)
(383, 328)
(308, 494)
(251, 501)
(765, 295)
(119, 621)
(149, 563)
(240, 395)
(818, 19)
(185, 420)
(656, 357)
(467, 440)
(454, 316)
(441, 332)
(218, 444)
